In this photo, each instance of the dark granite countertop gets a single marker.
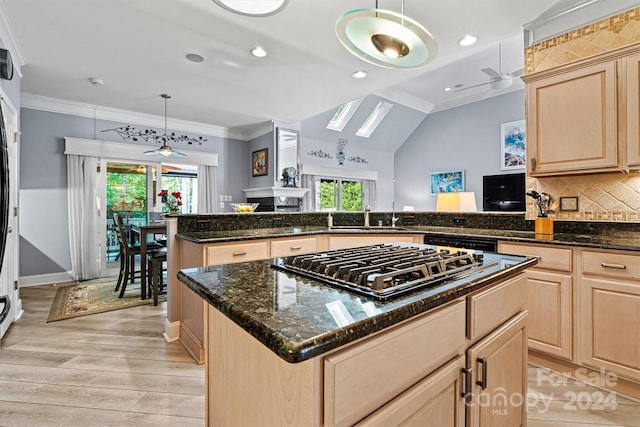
(292, 315)
(628, 240)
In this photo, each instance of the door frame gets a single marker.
(10, 273)
(101, 191)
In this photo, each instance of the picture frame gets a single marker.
(513, 145)
(446, 182)
(260, 162)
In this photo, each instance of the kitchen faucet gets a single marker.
(367, 210)
(394, 219)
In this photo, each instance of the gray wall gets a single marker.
(44, 240)
(467, 137)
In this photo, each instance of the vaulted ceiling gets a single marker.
(138, 48)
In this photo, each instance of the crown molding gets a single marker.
(9, 39)
(63, 106)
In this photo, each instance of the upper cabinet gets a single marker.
(584, 117)
(633, 110)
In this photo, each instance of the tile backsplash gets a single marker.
(601, 197)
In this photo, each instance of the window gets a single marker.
(341, 195)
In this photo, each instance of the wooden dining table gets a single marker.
(142, 232)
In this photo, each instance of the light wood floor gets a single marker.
(109, 369)
(115, 369)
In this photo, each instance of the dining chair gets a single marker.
(128, 253)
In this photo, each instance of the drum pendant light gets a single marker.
(165, 150)
(386, 38)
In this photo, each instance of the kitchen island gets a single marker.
(289, 350)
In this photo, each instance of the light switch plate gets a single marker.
(569, 204)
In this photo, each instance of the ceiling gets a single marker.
(138, 49)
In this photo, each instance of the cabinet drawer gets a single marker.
(549, 257)
(611, 264)
(237, 252)
(357, 380)
(288, 247)
(490, 308)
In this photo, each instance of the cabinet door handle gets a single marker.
(533, 163)
(466, 393)
(296, 248)
(483, 382)
(618, 266)
(240, 253)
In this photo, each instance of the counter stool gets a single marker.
(156, 260)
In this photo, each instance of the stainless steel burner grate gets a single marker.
(382, 270)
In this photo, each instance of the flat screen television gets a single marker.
(503, 192)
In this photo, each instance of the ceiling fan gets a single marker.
(497, 80)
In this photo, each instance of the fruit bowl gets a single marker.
(244, 207)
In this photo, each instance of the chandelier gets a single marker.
(129, 133)
(386, 38)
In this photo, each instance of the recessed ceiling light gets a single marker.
(467, 40)
(96, 82)
(194, 57)
(253, 7)
(258, 52)
(360, 74)
(447, 89)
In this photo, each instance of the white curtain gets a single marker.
(309, 203)
(82, 205)
(206, 189)
(370, 193)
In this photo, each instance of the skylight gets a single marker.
(376, 116)
(343, 114)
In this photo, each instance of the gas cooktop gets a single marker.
(387, 270)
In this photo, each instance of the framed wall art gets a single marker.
(512, 145)
(446, 182)
(260, 162)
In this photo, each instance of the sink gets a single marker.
(362, 227)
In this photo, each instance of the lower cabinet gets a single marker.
(610, 304)
(498, 369)
(611, 333)
(550, 308)
(549, 297)
(437, 400)
(426, 371)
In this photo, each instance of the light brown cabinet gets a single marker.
(498, 366)
(437, 400)
(549, 297)
(337, 241)
(409, 374)
(583, 117)
(633, 110)
(584, 311)
(611, 312)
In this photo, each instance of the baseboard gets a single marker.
(171, 331)
(45, 279)
(192, 344)
(624, 387)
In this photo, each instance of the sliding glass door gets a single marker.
(133, 190)
(130, 190)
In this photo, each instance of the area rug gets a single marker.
(94, 296)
